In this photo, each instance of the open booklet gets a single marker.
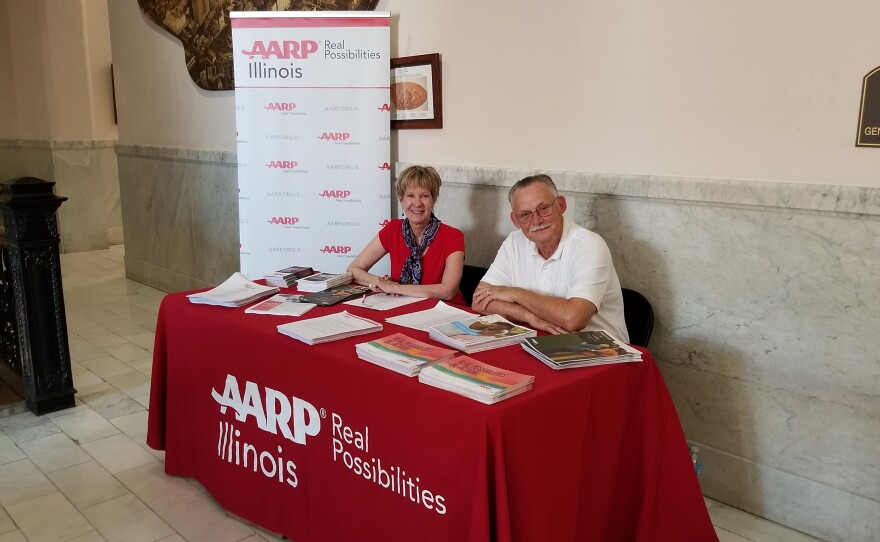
(235, 291)
(423, 320)
(383, 302)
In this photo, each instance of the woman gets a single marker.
(426, 256)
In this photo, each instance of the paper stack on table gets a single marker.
(235, 291)
(322, 281)
(282, 305)
(479, 333)
(328, 328)
(479, 381)
(402, 354)
(285, 278)
(580, 349)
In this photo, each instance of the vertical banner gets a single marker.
(313, 128)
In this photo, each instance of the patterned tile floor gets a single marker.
(85, 474)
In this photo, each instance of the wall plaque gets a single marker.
(869, 112)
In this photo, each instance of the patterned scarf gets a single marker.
(412, 267)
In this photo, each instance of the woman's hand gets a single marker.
(387, 286)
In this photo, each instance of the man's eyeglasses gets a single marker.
(524, 217)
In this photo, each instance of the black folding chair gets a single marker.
(639, 317)
(471, 276)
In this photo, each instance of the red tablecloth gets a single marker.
(589, 454)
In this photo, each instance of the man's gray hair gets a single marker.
(530, 180)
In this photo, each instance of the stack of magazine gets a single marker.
(334, 295)
(479, 333)
(322, 281)
(402, 354)
(285, 278)
(329, 328)
(235, 291)
(580, 349)
(474, 379)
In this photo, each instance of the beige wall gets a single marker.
(746, 90)
(58, 55)
(751, 90)
(56, 112)
(8, 106)
(157, 101)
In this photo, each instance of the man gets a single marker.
(552, 274)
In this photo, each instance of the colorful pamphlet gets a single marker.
(472, 378)
(402, 354)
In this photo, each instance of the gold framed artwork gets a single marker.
(416, 92)
(202, 26)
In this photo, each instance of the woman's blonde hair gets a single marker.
(419, 177)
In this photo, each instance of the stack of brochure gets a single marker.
(282, 305)
(328, 328)
(322, 281)
(402, 354)
(474, 379)
(580, 349)
(285, 278)
(234, 292)
(479, 333)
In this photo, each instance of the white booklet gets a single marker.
(234, 292)
(329, 328)
(423, 320)
(281, 305)
(383, 302)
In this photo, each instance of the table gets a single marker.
(314, 443)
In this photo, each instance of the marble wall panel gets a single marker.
(20, 159)
(85, 172)
(180, 216)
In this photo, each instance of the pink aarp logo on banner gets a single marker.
(385, 107)
(385, 166)
(384, 223)
(284, 220)
(282, 164)
(336, 249)
(335, 194)
(334, 136)
(280, 106)
(282, 49)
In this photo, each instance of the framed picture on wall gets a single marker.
(416, 100)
